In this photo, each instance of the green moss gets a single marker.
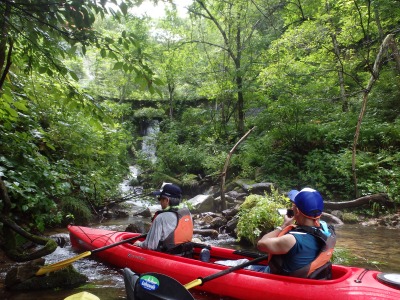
(350, 218)
(65, 278)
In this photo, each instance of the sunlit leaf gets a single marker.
(112, 55)
(118, 65)
(73, 75)
(12, 112)
(42, 69)
(20, 106)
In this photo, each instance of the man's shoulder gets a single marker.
(166, 215)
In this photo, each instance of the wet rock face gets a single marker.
(140, 225)
(390, 221)
(24, 272)
(144, 212)
(23, 278)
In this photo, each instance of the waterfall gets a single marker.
(149, 150)
(149, 142)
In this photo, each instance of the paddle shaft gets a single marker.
(118, 243)
(233, 269)
(200, 281)
(64, 263)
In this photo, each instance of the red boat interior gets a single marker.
(216, 254)
(345, 280)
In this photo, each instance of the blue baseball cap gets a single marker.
(169, 190)
(308, 201)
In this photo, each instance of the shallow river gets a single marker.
(374, 248)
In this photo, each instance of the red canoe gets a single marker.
(347, 282)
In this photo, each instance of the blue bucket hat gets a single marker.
(308, 201)
(169, 190)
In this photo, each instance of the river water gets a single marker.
(372, 247)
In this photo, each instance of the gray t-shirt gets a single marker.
(162, 226)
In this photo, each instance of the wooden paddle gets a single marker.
(64, 263)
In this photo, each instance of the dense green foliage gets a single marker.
(62, 153)
(259, 215)
(77, 91)
(313, 63)
(58, 162)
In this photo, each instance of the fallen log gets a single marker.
(381, 198)
(10, 231)
(331, 219)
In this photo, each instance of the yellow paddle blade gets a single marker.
(193, 283)
(82, 296)
(61, 264)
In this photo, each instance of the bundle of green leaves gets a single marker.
(259, 214)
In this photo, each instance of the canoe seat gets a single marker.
(324, 272)
(340, 271)
(185, 250)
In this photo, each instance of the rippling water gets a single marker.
(372, 247)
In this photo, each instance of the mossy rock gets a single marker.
(65, 278)
(350, 218)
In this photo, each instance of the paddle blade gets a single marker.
(61, 264)
(82, 296)
(152, 286)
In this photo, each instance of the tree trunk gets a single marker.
(239, 84)
(223, 175)
(11, 229)
(239, 80)
(5, 60)
(345, 104)
(171, 89)
(374, 77)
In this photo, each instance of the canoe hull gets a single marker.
(347, 282)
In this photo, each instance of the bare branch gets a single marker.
(373, 78)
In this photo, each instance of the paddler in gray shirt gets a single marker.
(171, 227)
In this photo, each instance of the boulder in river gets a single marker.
(23, 278)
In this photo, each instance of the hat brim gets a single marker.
(292, 194)
(158, 193)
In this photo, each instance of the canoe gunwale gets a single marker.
(253, 285)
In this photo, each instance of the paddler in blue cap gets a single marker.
(304, 249)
